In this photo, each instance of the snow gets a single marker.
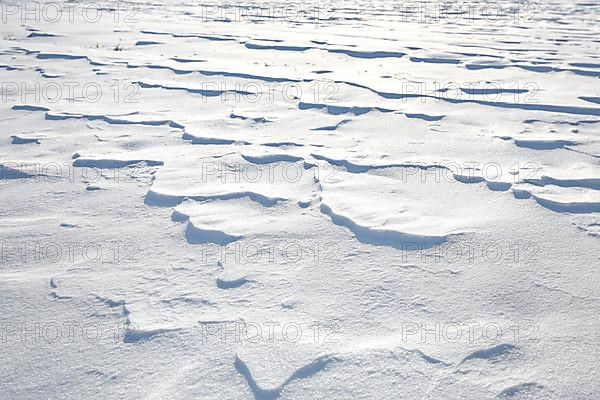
(299, 201)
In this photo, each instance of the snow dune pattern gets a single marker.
(342, 200)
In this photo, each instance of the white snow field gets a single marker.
(319, 200)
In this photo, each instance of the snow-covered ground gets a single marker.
(320, 200)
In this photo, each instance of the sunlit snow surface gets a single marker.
(341, 200)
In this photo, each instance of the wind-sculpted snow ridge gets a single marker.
(303, 372)
(380, 211)
(492, 354)
(562, 199)
(522, 391)
(104, 163)
(220, 222)
(233, 176)
(349, 199)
